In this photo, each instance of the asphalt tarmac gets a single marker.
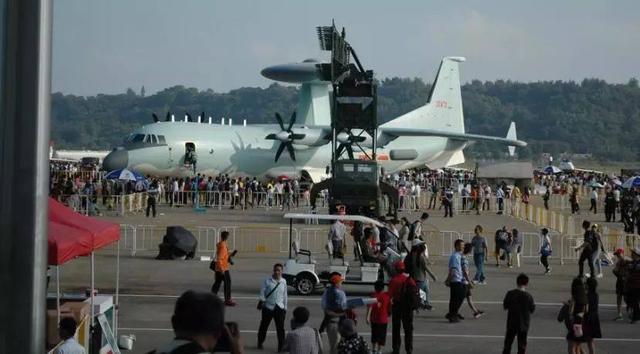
(149, 288)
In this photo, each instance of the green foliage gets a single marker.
(588, 117)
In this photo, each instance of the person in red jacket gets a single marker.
(401, 311)
(378, 317)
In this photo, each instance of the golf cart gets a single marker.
(303, 272)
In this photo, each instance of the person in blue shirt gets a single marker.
(334, 305)
(479, 244)
(457, 289)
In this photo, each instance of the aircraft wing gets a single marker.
(389, 134)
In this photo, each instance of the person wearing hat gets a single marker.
(633, 284)
(545, 250)
(417, 267)
(351, 342)
(334, 305)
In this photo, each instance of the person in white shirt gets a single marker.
(273, 297)
(594, 201)
(176, 191)
(500, 196)
(67, 330)
(487, 198)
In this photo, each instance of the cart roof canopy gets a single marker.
(362, 219)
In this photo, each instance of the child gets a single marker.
(378, 317)
(467, 281)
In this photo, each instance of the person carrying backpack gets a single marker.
(405, 297)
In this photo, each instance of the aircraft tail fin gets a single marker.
(443, 110)
(314, 106)
(511, 134)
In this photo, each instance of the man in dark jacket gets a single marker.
(610, 206)
(519, 304)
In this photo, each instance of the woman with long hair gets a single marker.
(592, 319)
(578, 312)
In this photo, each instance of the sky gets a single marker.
(107, 46)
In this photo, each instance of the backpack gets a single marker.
(592, 240)
(410, 294)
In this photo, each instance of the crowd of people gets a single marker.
(407, 284)
(602, 190)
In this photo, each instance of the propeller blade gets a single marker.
(189, 118)
(292, 153)
(279, 119)
(155, 118)
(340, 150)
(279, 152)
(357, 138)
(202, 115)
(167, 118)
(297, 136)
(271, 137)
(292, 121)
(350, 151)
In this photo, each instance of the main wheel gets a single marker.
(305, 284)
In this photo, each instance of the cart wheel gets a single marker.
(305, 284)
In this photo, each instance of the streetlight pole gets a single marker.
(25, 83)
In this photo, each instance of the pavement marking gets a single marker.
(423, 335)
(317, 299)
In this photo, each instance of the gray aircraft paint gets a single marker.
(434, 131)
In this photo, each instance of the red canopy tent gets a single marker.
(101, 233)
(73, 235)
(67, 243)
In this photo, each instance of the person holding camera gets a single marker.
(273, 304)
(199, 327)
(221, 267)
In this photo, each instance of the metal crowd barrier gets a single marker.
(610, 242)
(146, 238)
(221, 199)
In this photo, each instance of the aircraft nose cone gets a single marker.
(115, 160)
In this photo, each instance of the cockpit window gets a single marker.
(143, 140)
(136, 138)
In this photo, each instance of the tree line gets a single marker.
(592, 116)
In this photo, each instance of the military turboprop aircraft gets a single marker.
(432, 135)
